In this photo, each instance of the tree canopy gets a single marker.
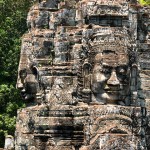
(144, 2)
(13, 16)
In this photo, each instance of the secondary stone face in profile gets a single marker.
(84, 74)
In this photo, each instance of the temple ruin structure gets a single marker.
(84, 73)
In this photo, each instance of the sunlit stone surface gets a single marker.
(84, 73)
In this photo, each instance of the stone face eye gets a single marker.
(106, 70)
(122, 71)
(23, 73)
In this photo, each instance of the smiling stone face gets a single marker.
(110, 77)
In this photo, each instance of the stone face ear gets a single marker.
(86, 75)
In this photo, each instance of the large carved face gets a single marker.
(110, 77)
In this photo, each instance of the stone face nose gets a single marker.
(113, 80)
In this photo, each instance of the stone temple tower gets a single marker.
(84, 73)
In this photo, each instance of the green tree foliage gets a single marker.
(13, 16)
(144, 2)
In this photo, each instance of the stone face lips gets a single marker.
(84, 74)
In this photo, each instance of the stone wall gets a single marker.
(84, 74)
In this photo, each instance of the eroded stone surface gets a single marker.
(84, 73)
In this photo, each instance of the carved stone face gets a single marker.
(110, 77)
(28, 85)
